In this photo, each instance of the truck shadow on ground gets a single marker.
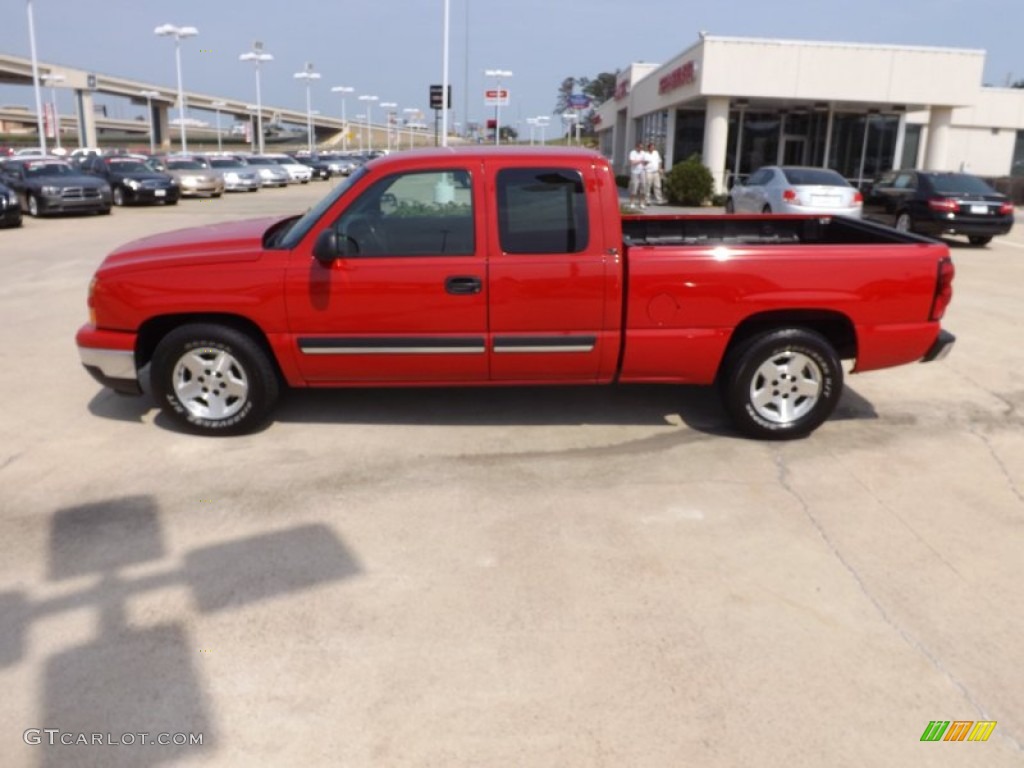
(134, 677)
(699, 408)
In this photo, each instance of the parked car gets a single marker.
(342, 164)
(795, 189)
(10, 207)
(937, 203)
(297, 172)
(271, 174)
(195, 179)
(132, 180)
(237, 176)
(319, 166)
(51, 185)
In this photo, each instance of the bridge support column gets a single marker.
(86, 118)
(161, 126)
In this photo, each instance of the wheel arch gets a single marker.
(153, 330)
(836, 327)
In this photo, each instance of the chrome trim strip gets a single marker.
(393, 350)
(113, 363)
(504, 350)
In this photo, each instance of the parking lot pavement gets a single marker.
(536, 577)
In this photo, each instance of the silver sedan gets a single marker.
(795, 189)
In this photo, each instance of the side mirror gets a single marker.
(328, 246)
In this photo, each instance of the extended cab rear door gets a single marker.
(405, 302)
(554, 271)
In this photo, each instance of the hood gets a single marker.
(235, 241)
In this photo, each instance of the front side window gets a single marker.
(542, 210)
(424, 213)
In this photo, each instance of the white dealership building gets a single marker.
(740, 103)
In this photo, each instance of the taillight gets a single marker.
(1006, 209)
(789, 195)
(943, 289)
(943, 205)
(858, 198)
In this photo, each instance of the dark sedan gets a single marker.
(10, 207)
(937, 203)
(321, 169)
(132, 181)
(50, 185)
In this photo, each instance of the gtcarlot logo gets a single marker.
(55, 736)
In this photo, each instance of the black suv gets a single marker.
(132, 181)
(50, 185)
(936, 203)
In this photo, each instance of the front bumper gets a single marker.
(112, 361)
(152, 194)
(57, 204)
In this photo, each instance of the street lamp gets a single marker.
(256, 55)
(35, 79)
(216, 109)
(343, 89)
(150, 95)
(497, 74)
(52, 80)
(410, 111)
(169, 30)
(388, 105)
(309, 76)
(369, 107)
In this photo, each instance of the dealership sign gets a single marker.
(685, 74)
(496, 97)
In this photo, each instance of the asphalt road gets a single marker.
(537, 577)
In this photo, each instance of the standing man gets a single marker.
(654, 173)
(638, 177)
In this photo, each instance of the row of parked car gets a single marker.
(930, 203)
(94, 181)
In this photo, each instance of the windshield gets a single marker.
(289, 238)
(226, 164)
(184, 165)
(283, 160)
(49, 169)
(128, 166)
(259, 161)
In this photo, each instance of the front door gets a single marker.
(407, 302)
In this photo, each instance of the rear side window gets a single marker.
(542, 210)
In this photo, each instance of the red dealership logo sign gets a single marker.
(684, 74)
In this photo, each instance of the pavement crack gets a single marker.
(783, 474)
(1010, 482)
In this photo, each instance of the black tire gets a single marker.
(730, 207)
(33, 207)
(119, 198)
(979, 240)
(104, 211)
(767, 209)
(903, 222)
(793, 402)
(233, 400)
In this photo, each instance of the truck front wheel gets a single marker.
(782, 384)
(213, 380)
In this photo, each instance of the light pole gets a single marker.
(150, 95)
(369, 107)
(52, 80)
(410, 111)
(388, 106)
(343, 89)
(309, 76)
(35, 79)
(444, 78)
(497, 74)
(169, 30)
(256, 55)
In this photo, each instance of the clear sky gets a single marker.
(393, 48)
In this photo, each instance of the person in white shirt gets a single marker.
(653, 173)
(638, 176)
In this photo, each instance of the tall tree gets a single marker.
(565, 90)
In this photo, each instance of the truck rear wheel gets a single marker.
(782, 384)
(214, 380)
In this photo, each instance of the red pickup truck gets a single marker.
(491, 266)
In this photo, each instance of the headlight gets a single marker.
(12, 198)
(47, 190)
(188, 181)
(174, 182)
(132, 184)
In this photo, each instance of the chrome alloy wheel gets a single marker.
(210, 383)
(786, 387)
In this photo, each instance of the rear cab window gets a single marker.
(542, 210)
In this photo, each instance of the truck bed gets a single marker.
(714, 229)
